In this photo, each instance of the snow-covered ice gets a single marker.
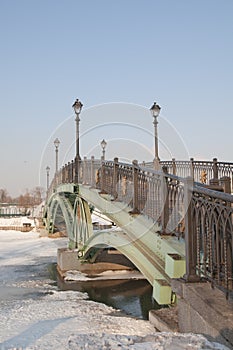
(35, 315)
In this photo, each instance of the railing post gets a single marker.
(80, 170)
(84, 170)
(115, 177)
(225, 182)
(63, 174)
(72, 171)
(67, 172)
(192, 167)
(215, 168)
(135, 188)
(102, 179)
(92, 171)
(69, 175)
(173, 166)
(190, 235)
(165, 200)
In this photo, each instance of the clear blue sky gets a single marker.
(176, 52)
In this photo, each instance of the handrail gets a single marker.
(212, 193)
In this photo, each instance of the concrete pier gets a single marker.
(67, 259)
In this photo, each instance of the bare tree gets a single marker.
(37, 195)
(28, 200)
(3, 195)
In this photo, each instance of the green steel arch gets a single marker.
(50, 213)
(132, 249)
(75, 211)
(82, 223)
(56, 201)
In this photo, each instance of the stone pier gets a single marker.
(204, 310)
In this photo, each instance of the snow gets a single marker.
(35, 315)
(99, 218)
(73, 275)
(16, 221)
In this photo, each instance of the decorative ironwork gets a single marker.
(213, 169)
(212, 214)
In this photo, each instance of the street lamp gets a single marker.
(155, 110)
(47, 171)
(103, 144)
(77, 106)
(56, 144)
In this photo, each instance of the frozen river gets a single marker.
(35, 315)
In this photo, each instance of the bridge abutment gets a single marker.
(204, 310)
(67, 259)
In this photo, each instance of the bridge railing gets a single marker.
(158, 195)
(210, 243)
(201, 170)
(181, 206)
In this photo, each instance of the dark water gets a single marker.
(132, 297)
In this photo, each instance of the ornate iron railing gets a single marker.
(201, 170)
(187, 209)
(212, 227)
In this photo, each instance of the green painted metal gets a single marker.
(50, 213)
(138, 238)
(76, 213)
(82, 224)
(162, 291)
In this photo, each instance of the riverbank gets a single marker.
(35, 315)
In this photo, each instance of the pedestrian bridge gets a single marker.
(172, 222)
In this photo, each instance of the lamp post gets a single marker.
(56, 144)
(103, 144)
(47, 172)
(155, 110)
(77, 106)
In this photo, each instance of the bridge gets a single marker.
(170, 225)
(173, 218)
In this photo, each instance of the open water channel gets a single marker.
(133, 297)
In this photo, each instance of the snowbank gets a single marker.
(67, 320)
(36, 316)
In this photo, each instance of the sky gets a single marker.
(112, 54)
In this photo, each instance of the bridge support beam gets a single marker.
(162, 292)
